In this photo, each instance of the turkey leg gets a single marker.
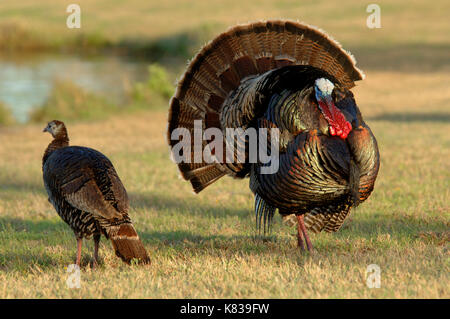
(301, 233)
(96, 244)
(79, 244)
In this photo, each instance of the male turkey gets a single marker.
(292, 77)
(87, 193)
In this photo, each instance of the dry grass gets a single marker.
(413, 21)
(203, 246)
(6, 117)
(414, 34)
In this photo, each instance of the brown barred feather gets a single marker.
(261, 75)
(241, 52)
(126, 244)
(87, 193)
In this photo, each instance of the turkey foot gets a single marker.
(95, 263)
(301, 233)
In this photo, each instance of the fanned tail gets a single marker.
(127, 245)
(262, 209)
(243, 52)
(327, 219)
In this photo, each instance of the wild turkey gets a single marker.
(87, 193)
(293, 77)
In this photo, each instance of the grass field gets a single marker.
(203, 246)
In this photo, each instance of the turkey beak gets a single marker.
(46, 129)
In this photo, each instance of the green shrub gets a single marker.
(68, 101)
(156, 90)
(6, 117)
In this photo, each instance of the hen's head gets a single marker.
(56, 129)
(337, 124)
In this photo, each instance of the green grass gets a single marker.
(204, 245)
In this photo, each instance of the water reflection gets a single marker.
(26, 82)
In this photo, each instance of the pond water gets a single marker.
(26, 81)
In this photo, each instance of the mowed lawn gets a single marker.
(203, 246)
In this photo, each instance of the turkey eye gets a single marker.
(337, 95)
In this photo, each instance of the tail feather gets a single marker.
(127, 245)
(328, 219)
(243, 52)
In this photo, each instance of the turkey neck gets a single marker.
(60, 141)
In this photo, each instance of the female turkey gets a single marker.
(294, 78)
(87, 193)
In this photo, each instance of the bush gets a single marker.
(179, 46)
(68, 101)
(156, 90)
(6, 117)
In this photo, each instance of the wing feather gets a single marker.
(87, 180)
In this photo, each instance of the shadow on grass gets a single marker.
(187, 206)
(32, 227)
(433, 231)
(185, 245)
(36, 235)
(8, 185)
(28, 240)
(412, 117)
(399, 227)
(186, 238)
(27, 262)
(38, 261)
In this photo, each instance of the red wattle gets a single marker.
(338, 125)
